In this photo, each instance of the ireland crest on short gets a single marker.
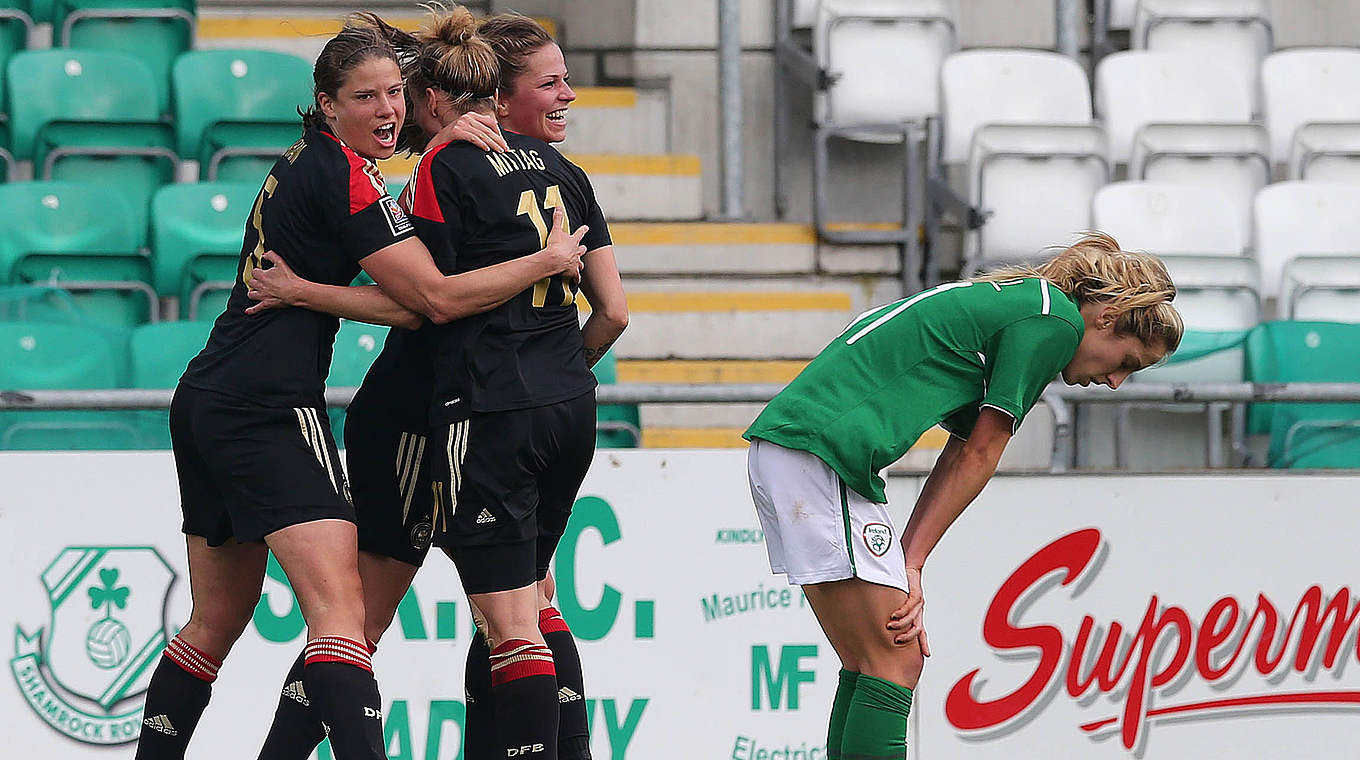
(107, 628)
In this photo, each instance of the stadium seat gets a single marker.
(1326, 152)
(1230, 158)
(1021, 119)
(238, 103)
(1307, 86)
(617, 425)
(1235, 33)
(1138, 87)
(1304, 219)
(37, 356)
(16, 24)
(159, 353)
(81, 238)
(155, 31)
(859, 49)
(1169, 219)
(1307, 435)
(91, 117)
(356, 346)
(196, 236)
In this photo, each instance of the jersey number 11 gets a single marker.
(528, 205)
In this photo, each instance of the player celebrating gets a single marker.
(972, 356)
(257, 467)
(534, 355)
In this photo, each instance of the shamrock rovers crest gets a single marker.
(86, 672)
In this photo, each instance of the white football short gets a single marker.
(816, 528)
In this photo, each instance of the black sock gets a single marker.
(296, 730)
(479, 733)
(524, 688)
(180, 688)
(338, 678)
(573, 730)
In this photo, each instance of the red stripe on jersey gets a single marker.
(424, 204)
(366, 183)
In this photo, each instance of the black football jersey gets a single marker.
(473, 209)
(323, 207)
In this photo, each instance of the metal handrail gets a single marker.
(1059, 398)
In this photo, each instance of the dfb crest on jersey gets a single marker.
(85, 674)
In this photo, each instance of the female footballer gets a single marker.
(973, 357)
(531, 360)
(257, 467)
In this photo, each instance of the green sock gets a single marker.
(840, 706)
(876, 722)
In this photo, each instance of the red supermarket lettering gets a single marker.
(1212, 647)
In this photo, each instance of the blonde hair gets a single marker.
(448, 54)
(1095, 270)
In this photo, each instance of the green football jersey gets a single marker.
(936, 357)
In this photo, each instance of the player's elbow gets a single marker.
(616, 316)
(409, 320)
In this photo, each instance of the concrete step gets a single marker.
(743, 318)
(628, 187)
(645, 187)
(614, 120)
(297, 31)
(713, 247)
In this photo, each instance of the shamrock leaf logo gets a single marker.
(109, 594)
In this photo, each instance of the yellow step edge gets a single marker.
(605, 97)
(211, 27)
(651, 165)
(708, 371)
(863, 226)
(684, 301)
(711, 233)
(678, 164)
(730, 438)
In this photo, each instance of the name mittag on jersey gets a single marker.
(396, 217)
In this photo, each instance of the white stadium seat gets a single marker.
(1034, 184)
(1235, 33)
(982, 87)
(1304, 219)
(1168, 219)
(1231, 158)
(877, 54)
(804, 13)
(1021, 120)
(1306, 86)
(1138, 87)
(1326, 152)
(1121, 13)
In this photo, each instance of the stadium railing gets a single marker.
(1059, 398)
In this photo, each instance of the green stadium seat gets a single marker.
(91, 116)
(84, 239)
(156, 31)
(356, 346)
(37, 356)
(196, 234)
(1306, 435)
(617, 425)
(16, 24)
(238, 105)
(159, 354)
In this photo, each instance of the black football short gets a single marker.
(390, 480)
(246, 471)
(504, 486)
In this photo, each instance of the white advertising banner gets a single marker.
(1206, 617)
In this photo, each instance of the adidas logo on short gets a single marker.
(485, 517)
(295, 692)
(567, 695)
(161, 723)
